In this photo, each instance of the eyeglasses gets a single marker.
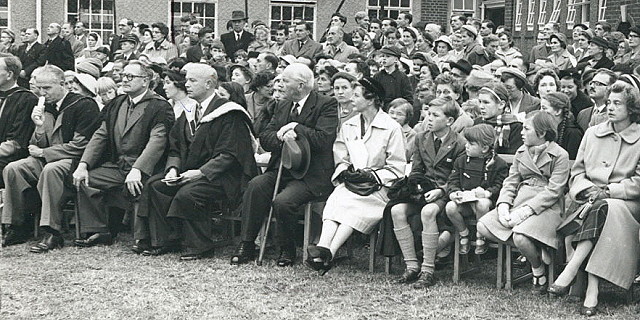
(122, 25)
(631, 35)
(595, 83)
(130, 76)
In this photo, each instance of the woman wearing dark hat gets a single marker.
(369, 148)
(596, 56)
(560, 57)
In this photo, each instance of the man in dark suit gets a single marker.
(63, 126)
(123, 152)
(303, 113)
(205, 37)
(58, 51)
(29, 53)
(124, 27)
(238, 38)
(210, 159)
(302, 45)
(128, 46)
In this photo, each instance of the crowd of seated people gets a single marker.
(169, 124)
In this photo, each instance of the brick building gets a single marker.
(527, 17)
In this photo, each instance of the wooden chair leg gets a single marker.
(456, 257)
(552, 266)
(508, 268)
(372, 249)
(387, 265)
(307, 231)
(500, 266)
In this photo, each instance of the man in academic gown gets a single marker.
(210, 160)
(127, 149)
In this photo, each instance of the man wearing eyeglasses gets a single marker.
(633, 57)
(597, 90)
(123, 152)
(64, 123)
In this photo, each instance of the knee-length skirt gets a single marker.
(362, 213)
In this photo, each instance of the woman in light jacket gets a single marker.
(607, 170)
(369, 146)
(529, 208)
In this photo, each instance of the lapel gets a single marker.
(68, 100)
(445, 146)
(211, 105)
(137, 113)
(308, 107)
(428, 145)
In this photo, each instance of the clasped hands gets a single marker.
(593, 192)
(172, 178)
(286, 132)
(510, 219)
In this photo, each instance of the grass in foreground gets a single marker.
(114, 283)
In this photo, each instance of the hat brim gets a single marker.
(305, 148)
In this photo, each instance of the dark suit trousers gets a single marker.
(256, 203)
(182, 212)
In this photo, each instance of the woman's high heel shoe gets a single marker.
(589, 311)
(559, 291)
(320, 259)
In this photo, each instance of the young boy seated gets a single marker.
(474, 183)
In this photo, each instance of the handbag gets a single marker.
(368, 187)
(406, 188)
(573, 222)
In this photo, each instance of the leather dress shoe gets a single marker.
(196, 256)
(425, 280)
(287, 258)
(245, 252)
(139, 246)
(158, 251)
(409, 276)
(96, 239)
(13, 237)
(48, 243)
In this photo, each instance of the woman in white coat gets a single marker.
(607, 170)
(369, 147)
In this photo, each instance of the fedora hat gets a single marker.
(296, 156)
(238, 15)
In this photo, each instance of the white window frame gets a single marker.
(78, 16)
(571, 13)
(555, 14)
(391, 11)
(295, 3)
(8, 12)
(517, 22)
(531, 15)
(602, 10)
(542, 13)
(175, 16)
(463, 9)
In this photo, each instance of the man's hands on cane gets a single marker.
(81, 175)
(287, 131)
(134, 182)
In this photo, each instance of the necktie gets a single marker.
(237, 37)
(294, 112)
(130, 107)
(436, 144)
(197, 116)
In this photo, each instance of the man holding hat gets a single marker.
(596, 56)
(238, 38)
(128, 46)
(395, 83)
(302, 115)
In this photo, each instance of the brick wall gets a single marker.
(435, 11)
(143, 11)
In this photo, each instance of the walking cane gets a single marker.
(267, 223)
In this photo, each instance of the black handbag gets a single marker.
(365, 186)
(573, 222)
(406, 189)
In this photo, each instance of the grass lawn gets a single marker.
(114, 283)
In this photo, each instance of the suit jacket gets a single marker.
(318, 122)
(231, 45)
(30, 58)
(76, 46)
(309, 49)
(194, 54)
(58, 52)
(133, 56)
(604, 62)
(143, 140)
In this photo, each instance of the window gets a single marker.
(602, 10)
(288, 12)
(531, 15)
(555, 14)
(97, 15)
(571, 13)
(464, 6)
(204, 10)
(518, 20)
(542, 16)
(387, 8)
(4, 13)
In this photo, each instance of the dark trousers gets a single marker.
(256, 203)
(179, 213)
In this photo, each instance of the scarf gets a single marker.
(502, 125)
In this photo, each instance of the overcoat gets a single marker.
(539, 185)
(384, 143)
(611, 159)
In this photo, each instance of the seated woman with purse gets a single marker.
(369, 153)
(529, 207)
(606, 176)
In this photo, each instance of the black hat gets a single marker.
(130, 38)
(238, 15)
(581, 25)
(104, 49)
(635, 29)
(391, 50)
(461, 64)
(296, 156)
(373, 86)
(571, 72)
(600, 42)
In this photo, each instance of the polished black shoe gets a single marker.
(287, 258)
(320, 259)
(158, 251)
(540, 284)
(245, 252)
(96, 239)
(196, 256)
(139, 246)
(14, 237)
(425, 280)
(589, 311)
(48, 243)
(559, 291)
(409, 276)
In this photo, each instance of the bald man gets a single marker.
(210, 160)
(123, 153)
(336, 46)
